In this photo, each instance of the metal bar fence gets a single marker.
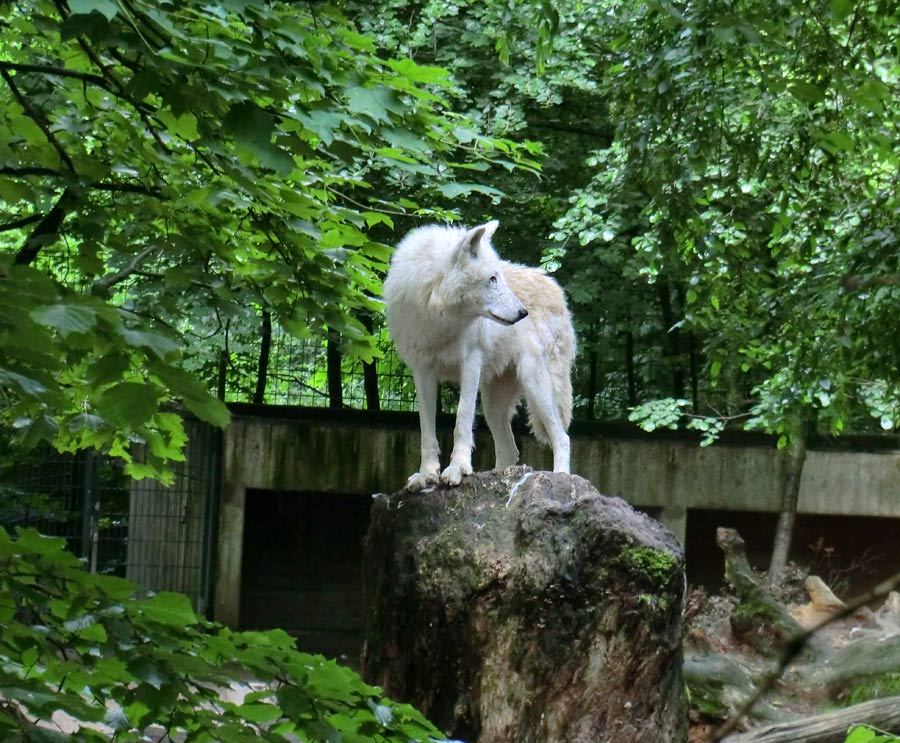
(298, 375)
(159, 537)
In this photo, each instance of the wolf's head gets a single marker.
(475, 282)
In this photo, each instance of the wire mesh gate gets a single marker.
(159, 537)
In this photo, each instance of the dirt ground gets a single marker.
(711, 642)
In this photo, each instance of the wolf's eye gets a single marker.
(493, 281)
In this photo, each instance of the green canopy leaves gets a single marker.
(115, 661)
(171, 167)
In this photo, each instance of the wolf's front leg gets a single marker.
(461, 458)
(430, 464)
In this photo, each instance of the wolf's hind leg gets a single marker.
(499, 398)
(543, 410)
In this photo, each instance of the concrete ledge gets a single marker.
(356, 452)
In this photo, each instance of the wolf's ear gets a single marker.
(473, 239)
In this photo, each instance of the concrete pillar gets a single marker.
(674, 518)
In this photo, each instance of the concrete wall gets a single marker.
(294, 449)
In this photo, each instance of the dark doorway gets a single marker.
(302, 569)
(850, 553)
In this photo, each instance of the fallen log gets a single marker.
(759, 619)
(831, 727)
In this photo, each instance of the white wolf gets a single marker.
(457, 312)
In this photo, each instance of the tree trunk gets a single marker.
(796, 457)
(370, 373)
(695, 373)
(525, 607)
(672, 337)
(262, 371)
(629, 369)
(592, 385)
(333, 370)
(222, 375)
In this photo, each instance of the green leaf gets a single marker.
(40, 734)
(420, 74)
(259, 712)
(806, 92)
(109, 368)
(840, 9)
(26, 385)
(107, 8)
(376, 102)
(254, 128)
(66, 318)
(129, 404)
(294, 702)
(455, 190)
(160, 345)
(173, 609)
(194, 394)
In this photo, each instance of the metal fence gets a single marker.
(298, 374)
(83, 498)
(159, 537)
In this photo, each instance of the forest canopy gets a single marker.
(167, 170)
(715, 188)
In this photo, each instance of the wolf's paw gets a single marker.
(420, 481)
(454, 474)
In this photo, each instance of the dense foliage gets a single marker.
(84, 657)
(718, 197)
(170, 170)
(754, 171)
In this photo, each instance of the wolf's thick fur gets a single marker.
(456, 312)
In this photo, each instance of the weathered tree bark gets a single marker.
(828, 728)
(525, 607)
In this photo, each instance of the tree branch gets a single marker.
(122, 93)
(19, 223)
(47, 229)
(30, 170)
(46, 69)
(102, 286)
(855, 283)
(129, 188)
(37, 117)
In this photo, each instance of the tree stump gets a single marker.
(525, 606)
